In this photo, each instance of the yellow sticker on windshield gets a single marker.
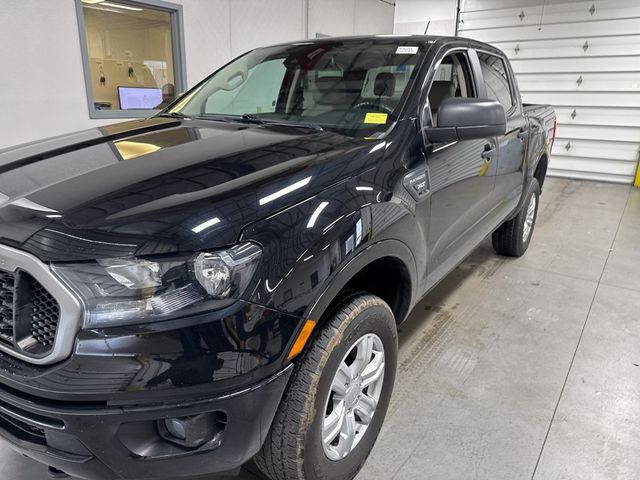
(378, 118)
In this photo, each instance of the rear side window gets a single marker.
(496, 79)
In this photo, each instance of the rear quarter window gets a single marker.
(496, 79)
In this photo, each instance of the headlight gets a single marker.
(133, 290)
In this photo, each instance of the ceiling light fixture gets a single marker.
(117, 5)
(102, 9)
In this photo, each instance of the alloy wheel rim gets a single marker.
(529, 218)
(355, 392)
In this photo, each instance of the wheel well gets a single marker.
(389, 279)
(541, 170)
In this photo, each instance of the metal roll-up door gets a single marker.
(584, 59)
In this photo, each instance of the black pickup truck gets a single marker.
(223, 281)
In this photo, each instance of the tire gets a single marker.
(511, 238)
(294, 449)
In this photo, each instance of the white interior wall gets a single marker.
(412, 16)
(43, 88)
(256, 23)
(373, 16)
(206, 36)
(349, 17)
(331, 17)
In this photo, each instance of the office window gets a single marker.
(133, 56)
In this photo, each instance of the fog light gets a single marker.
(196, 431)
(176, 427)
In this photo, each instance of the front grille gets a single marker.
(29, 315)
(45, 315)
(6, 307)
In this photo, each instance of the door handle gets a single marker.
(488, 153)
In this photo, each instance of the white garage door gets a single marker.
(584, 59)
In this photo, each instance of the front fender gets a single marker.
(368, 255)
(312, 249)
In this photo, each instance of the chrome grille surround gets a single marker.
(70, 308)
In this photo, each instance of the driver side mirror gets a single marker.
(467, 119)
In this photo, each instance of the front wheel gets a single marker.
(337, 398)
(513, 237)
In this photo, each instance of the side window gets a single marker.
(496, 79)
(452, 79)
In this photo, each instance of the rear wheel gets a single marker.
(337, 398)
(513, 237)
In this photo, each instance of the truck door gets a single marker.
(461, 173)
(510, 171)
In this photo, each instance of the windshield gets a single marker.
(354, 88)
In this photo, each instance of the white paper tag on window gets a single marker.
(407, 50)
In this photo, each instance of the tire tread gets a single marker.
(507, 239)
(281, 457)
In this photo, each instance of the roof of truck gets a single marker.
(422, 39)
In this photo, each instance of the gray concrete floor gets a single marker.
(518, 368)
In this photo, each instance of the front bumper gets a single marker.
(95, 415)
(109, 443)
(193, 357)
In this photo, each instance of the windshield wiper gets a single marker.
(251, 118)
(172, 115)
(212, 117)
(245, 118)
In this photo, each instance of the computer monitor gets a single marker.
(139, 98)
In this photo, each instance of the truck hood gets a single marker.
(163, 185)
